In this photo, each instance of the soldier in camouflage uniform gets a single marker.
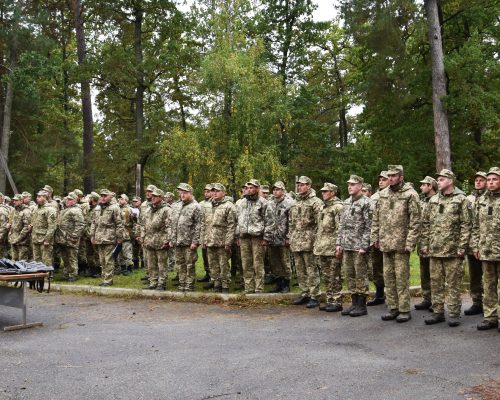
(106, 232)
(94, 269)
(155, 237)
(395, 231)
(82, 248)
(170, 200)
(475, 269)
(144, 209)
(279, 247)
(4, 231)
(186, 224)
(428, 188)
(124, 259)
(136, 247)
(376, 258)
(27, 200)
(253, 232)
(303, 226)
(70, 225)
(218, 227)
(19, 229)
(50, 201)
(485, 244)
(206, 206)
(367, 190)
(324, 247)
(353, 244)
(43, 226)
(446, 229)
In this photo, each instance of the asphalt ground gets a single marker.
(93, 347)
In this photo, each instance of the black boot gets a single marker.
(359, 307)
(423, 305)
(206, 278)
(279, 285)
(475, 309)
(285, 286)
(379, 297)
(124, 270)
(354, 299)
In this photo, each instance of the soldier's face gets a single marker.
(185, 195)
(425, 188)
(136, 203)
(264, 194)
(383, 182)
(278, 193)
(156, 199)
(479, 183)
(218, 195)
(326, 195)
(303, 187)
(41, 200)
(208, 194)
(493, 183)
(395, 179)
(444, 183)
(354, 188)
(17, 203)
(366, 192)
(122, 201)
(70, 202)
(252, 190)
(149, 194)
(105, 198)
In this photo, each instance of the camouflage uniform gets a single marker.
(124, 259)
(303, 226)
(376, 257)
(217, 234)
(90, 250)
(255, 223)
(486, 241)
(206, 206)
(425, 262)
(396, 226)
(186, 224)
(4, 219)
(324, 248)
(82, 247)
(19, 234)
(144, 209)
(106, 231)
(43, 222)
(70, 225)
(446, 229)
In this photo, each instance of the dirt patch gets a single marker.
(488, 390)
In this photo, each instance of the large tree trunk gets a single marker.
(88, 123)
(139, 95)
(441, 132)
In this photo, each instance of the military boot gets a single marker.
(390, 316)
(206, 278)
(354, 299)
(279, 285)
(301, 300)
(379, 297)
(403, 317)
(285, 286)
(359, 307)
(487, 324)
(124, 270)
(209, 285)
(475, 309)
(331, 307)
(423, 305)
(435, 318)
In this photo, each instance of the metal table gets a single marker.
(15, 296)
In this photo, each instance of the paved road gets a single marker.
(103, 348)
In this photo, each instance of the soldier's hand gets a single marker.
(193, 246)
(264, 243)
(237, 242)
(287, 243)
(204, 246)
(119, 241)
(338, 252)
(170, 244)
(227, 249)
(8, 226)
(361, 251)
(46, 243)
(166, 245)
(477, 255)
(461, 253)
(424, 252)
(92, 241)
(376, 244)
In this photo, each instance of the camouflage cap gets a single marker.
(481, 174)
(48, 188)
(71, 196)
(209, 186)
(304, 179)
(26, 194)
(355, 179)
(446, 173)
(279, 185)
(150, 188)
(1, 195)
(57, 198)
(430, 181)
(78, 192)
(169, 194)
(158, 193)
(136, 198)
(94, 195)
(394, 169)
(494, 170)
(329, 187)
(383, 174)
(42, 193)
(367, 186)
(106, 192)
(218, 187)
(264, 188)
(185, 187)
(253, 182)
(7, 199)
(124, 196)
(17, 197)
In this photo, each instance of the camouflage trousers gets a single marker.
(172, 265)
(218, 259)
(91, 254)
(397, 281)
(185, 260)
(124, 259)
(82, 250)
(156, 261)
(20, 252)
(4, 250)
(447, 272)
(307, 273)
(331, 268)
(491, 280)
(69, 257)
(252, 262)
(43, 253)
(206, 263)
(476, 279)
(279, 258)
(425, 278)
(136, 253)
(376, 272)
(107, 261)
(356, 271)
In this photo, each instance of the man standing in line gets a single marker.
(136, 247)
(43, 226)
(20, 229)
(144, 209)
(124, 258)
(4, 231)
(303, 226)
(395, 231)
(206, 207)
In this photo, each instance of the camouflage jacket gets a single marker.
(255, 218)
(281, 211)
(43, 222)
(89, 217)
(218, 224)
(156, 226)
(446, 225)
(53, 203)
(424, 203)
(4, 220)
(128, 222)
(186, 223)
(107, 224)
(85, 207)
(19, 219)
(328, 226)
(303, 219)
(396, 219)
(473, 197)
(486, 227)
(374, 200)
(70, 225)
(355, 224)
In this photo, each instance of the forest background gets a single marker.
(228, 90)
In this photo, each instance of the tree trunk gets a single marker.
(88, 122)
(139, 95)
(441, 132)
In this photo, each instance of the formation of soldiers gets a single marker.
(368, 236)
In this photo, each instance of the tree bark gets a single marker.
(139, 95)
(441, 131)
(88, 122)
